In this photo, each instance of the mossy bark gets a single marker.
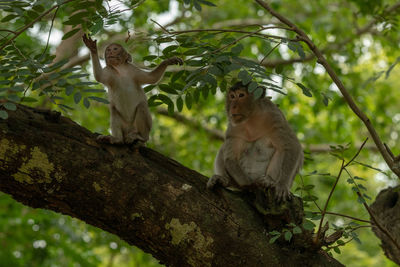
(48, 161)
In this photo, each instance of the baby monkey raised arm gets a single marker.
(260, 148)
(130, 116)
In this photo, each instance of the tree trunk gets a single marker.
(386, 209)
(48, 161)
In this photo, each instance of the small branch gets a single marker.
(327, 202)
(343, 167)
(347, 216)
(213, 133)
(162, 27)
(347, 97)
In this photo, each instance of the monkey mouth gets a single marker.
(237, 117)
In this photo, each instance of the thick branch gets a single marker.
(155, 203)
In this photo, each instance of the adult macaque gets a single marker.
(260, 148)
(130, 116)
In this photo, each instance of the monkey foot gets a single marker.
(108, 139)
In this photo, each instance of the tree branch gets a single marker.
(333, 46)
(48, 161)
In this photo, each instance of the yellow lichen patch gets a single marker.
(190, 232)
(136, 215)
(38, 162)
(97, 187)
(7, 147)
(118, 164)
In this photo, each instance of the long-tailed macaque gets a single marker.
(130, 116)
(260, 148)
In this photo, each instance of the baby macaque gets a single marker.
(130, 116)
(260, 148)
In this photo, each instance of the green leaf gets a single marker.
(308, 225)
(29, 100)
(208, 3)
(188, 101)
(350, 181)
(308, 187)
(215, 71)
(310, 198)
(99, 99)
(237, 49)
(360, 200)
(179, 103)
(32, 14)
(197, 5)
(245, 77)
(3, 114)
(13, 97)
(168, 89)
(169, 49)
(177, 75)
(274, 233)
(258, 93)
(340, 242)
(38, 8)
(288, 235)
(273, 239)
(297, 230)
(337, 250)
(70, 33)
(306, 91)
(149, 58)
(77, 97)
(8, 18)
(252, 86)
(86, 102)
(99, 24)
(90, 90)
(10, 106)
(77, 76)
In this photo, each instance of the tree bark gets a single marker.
(153, 202)
(386, 209)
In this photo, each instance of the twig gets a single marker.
(347, 216)
(343, 167)
(327, 202)
(322, 60)
(162, 27)
(51, 27)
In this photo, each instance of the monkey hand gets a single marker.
(281, 192)
(217, 179)
(174, 61)
(264, 182)
(90, 43)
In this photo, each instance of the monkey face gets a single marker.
(116, 55)
(240, 105)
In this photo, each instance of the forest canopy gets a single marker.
(330, 66)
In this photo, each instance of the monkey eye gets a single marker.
(115, 48)
(232, 96)
(241, 95)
